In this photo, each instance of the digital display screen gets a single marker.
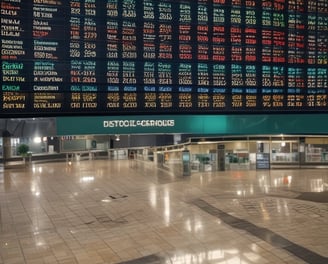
(165, 56)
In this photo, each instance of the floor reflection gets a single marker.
(110, 212)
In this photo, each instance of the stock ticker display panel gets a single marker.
(163, 56)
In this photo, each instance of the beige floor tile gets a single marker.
(75, 221)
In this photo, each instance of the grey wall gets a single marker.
(29, 127)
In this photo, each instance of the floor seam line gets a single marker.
(262, 233)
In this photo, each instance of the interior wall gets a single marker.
(29, 127)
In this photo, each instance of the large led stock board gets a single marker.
(109, 57)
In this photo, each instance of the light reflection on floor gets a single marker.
(111, 212)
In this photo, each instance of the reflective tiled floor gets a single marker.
(97, 212)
